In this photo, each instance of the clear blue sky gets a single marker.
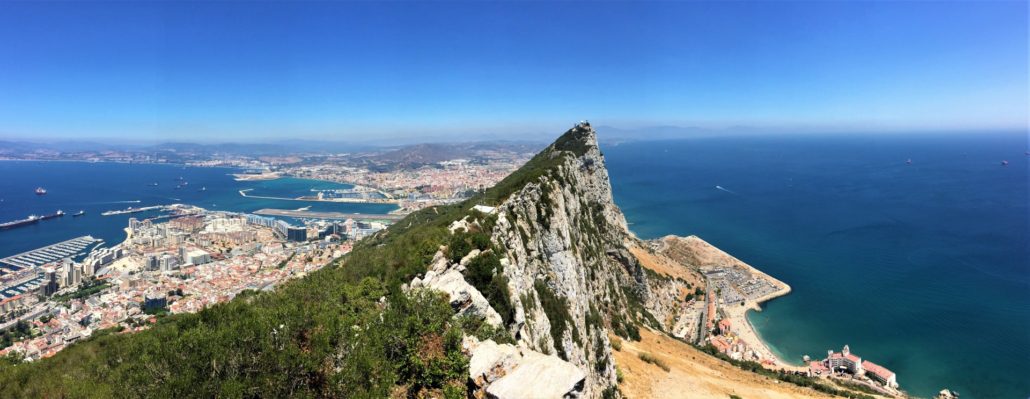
(327, 70)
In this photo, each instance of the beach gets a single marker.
(695, 251)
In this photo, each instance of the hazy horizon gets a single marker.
(417, 72)
(606, 134)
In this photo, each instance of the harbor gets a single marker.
(47, 254)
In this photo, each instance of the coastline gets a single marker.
(707, 256)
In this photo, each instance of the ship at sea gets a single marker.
(32, 219)
(57, 214)
(80, 213)
(40, 191)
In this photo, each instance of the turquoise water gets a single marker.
(922, 268)
(98, 187)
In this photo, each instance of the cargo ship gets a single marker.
(57, 214)
(32, 219)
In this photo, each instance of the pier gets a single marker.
(44, 255)
(328, 215)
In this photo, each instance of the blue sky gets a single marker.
(333, 70)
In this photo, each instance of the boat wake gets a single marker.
(723, 189)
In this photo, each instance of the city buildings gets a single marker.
(850, 363)
(178, 264)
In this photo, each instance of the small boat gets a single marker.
(40, 191)
(154, 184)
(80, 213)
(1004, 163)
(203, 189)
(908, 162)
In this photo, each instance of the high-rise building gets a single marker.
(168, 262)
(51, 281)
(152, 263)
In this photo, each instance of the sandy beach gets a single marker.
(695, 251)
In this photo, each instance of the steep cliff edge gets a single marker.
(565, 277)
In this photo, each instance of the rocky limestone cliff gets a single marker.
(565, 252)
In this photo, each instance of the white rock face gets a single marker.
(510, 373)
(539, 376)
(557, 231)
(464, 298)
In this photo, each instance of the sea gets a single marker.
(921, 267)
(98, 187)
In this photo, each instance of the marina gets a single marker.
(47, 254)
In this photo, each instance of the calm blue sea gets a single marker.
(98, 187)
(922, 268)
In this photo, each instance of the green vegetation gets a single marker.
(156, 311)
(649, 358)
(856, 386)
(485, 273)
(87, 289)
(321, 336)
(285, 261)
(624, 328)
(617, 344)
(600, 357)
(735, 397)
(20, 331)
(557, 310)
(796, 379)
